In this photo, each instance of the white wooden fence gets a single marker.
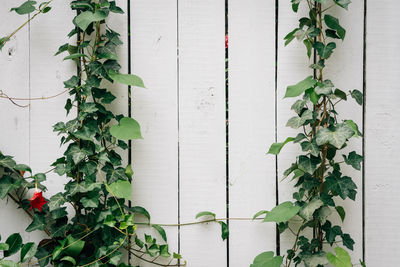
(181, 168)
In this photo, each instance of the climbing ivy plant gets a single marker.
(317, 171)
(99, 183)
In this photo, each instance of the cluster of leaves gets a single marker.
(318, 171)
(99, 184)
(27, 8)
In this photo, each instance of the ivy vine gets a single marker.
(317, 171)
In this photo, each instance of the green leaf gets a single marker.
(129, 171)
(343, 186)
(307, 211)
(299, 88)
(74, 246)
(290, 36)
(25, 8)
(127, 129)
(296, 122)
(311, 148)
(339, 93)
(72, 82)
(7, 161)
(333, 23)
(176, 256)
(164, 251)
(4, 246)
(161, 231)
(258, 214)
(323, 213)
(308, 45)
(14, 243)
(69, 259)
(354, 127)
(3, 41)
(28, 251)
(38, 223)
(6, 185)
(275, 148)
(342, 213)
(348, 242)
(267, 259)
(362, 263)
(306, 164)
(56, 201)
(353, 160)
(205, 213)
(343, 3)
(357, 95)
(84, 19)
(121, 189)
(128, 79)
(282, 213)
(325, 88)
(324, 51)
(341, 259)
(336, 137)
(23, 167)
(224, 230)
(74, 56)
(140, 210)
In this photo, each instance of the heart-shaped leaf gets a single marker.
(127, 129)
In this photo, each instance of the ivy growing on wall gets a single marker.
(99, 184)
(317, 171)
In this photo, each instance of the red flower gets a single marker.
(37, 201)
(226, 41)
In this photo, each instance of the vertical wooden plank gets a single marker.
(292, 67)
(155, 158)
(382, 163)
(345, 70)
(251, 126)
(47, 73)
(14, 133)
(202, 127)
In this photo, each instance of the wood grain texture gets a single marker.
(155, 158)
(251, 127)
(345, 69)
(47, 73)
(14, 120)
(292, 67)
(202, 128)
(382, 163)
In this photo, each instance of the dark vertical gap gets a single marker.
(227, 122)
(129, 104)
(278, 239)
(178, 124)
(363, 125)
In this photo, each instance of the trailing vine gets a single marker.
(99, 183)
(316, 172)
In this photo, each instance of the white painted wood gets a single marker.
(202, 128)
(251, 127)
(155, 158)
(14, 121)
(292, 67)
(345, 69)
(47, 73)
(382, 163)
